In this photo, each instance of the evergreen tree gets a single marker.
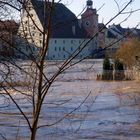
(107, 69)
(106, 64)
(119, 70)
(118, 65)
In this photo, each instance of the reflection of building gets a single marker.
(67, 32)
(7, 30)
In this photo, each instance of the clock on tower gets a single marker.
(87, 23)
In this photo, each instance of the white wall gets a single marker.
(28, 27)
(63, 48)
(58, 48)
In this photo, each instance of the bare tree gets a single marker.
(128, 52)
(34, 80)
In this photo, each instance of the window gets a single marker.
(25, 28)
(40, 34)
(26, 48)
(71, 48)
(33, 34)
(59, 48)
(63, 48)
(55, 49)
(63, 41)
(55, 41)
(53, 56)
(29, 15)
(33, 49)
(40, 41)
(64, 56)
(71, 41)
(25, 34)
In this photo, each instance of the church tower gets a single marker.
(90, 19)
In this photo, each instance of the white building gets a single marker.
(67, 32)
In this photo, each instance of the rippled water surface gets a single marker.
(110, 112)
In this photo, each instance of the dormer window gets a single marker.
(25, 28)
(25, 34)
(28, 8)
(26, 22)
(29, 15)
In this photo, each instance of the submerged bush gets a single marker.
(118, 65)
(112, 71)
(107, 70)
(106, 64)
(119, 70)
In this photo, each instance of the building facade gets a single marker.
(68, 34)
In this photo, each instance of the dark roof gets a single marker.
(122, 31)
(126, 32)
(138, 32)
(110, 34)
(62, 21)
(101, 25)
(117, 28)
(9, 26)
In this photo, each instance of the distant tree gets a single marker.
(119, 70)
(106, 64)
(118, 65)
(128, 51)
(107, 69)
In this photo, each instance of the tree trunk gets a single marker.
(33, 133)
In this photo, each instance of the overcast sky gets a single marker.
(108, 10)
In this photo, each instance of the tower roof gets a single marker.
(89, 3)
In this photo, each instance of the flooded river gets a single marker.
(104, 110)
